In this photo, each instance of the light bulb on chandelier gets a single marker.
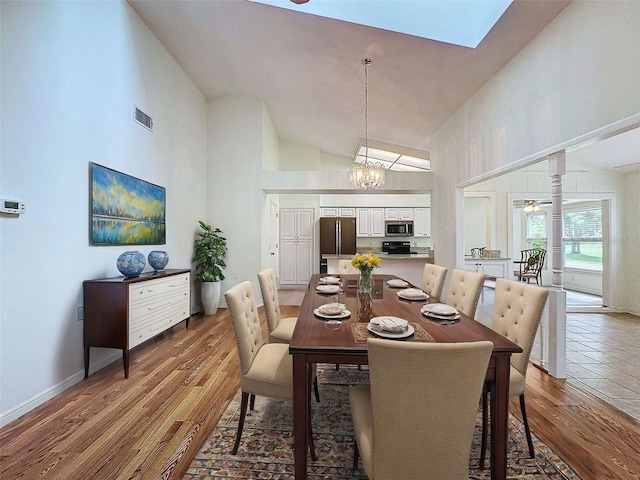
(366, 175)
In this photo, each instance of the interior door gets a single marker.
(274, 229)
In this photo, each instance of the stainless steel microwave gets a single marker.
(402, 228)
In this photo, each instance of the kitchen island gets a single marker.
(408, 266)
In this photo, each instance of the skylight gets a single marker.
(459, 22)
(393, 159)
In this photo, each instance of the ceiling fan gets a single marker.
(530, 205)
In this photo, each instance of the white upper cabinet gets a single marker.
(296, 223)
(370, 222)
(338, 212)
(422, 222)
(398, 213)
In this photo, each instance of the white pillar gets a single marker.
(557, 302)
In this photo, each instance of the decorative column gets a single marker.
(557, 302)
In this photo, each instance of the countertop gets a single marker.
(385, 256)
(485, 259)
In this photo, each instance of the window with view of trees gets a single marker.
(582, 238)
(537, 230)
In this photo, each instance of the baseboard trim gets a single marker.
(37, 400)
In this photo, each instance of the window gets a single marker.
(537, 230)
(582, 237)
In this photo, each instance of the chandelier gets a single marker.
(531, 206)
(366, 174)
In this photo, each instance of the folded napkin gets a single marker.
(328, 288)
(389, 324)
(332, 309)
(412, 293)
(396, 282)
(439, 309)
(332, 280)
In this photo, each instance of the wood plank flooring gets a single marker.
(152, 424)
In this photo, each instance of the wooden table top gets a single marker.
(312, 334)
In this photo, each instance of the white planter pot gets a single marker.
(210, 292)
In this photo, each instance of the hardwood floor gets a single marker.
(151, 425)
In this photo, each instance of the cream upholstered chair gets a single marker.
(418, 422)
(517, 310)
(344, 266)
(433, 277)
(265, 368)
(280, 329)
(464, 291)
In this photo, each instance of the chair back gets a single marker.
(269, 290)
(344, 266)
(517, 311)
(433, 277)
(246, 323)
(424, 416)
(464, 291)
(531, 263)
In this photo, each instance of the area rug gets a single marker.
(266, 449)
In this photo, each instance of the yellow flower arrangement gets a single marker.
(368, 261)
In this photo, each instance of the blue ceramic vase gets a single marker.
(158, 259)
(131, 263)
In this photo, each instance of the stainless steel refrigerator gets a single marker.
(337, 237)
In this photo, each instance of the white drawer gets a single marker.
(143, 311)
(143, 292)
(151, 325)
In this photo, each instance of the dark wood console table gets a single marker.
(123, 312)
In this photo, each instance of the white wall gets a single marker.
(630, 241)
(71, 73)
(579, 74)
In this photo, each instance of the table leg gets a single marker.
(500, 417)
(301, 412)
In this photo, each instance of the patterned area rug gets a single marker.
(266, 449)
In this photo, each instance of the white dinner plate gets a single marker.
(413, 297)
(441, 317)
(328, 288)
(330, 280)
(344, 314)
(397, 283)
(408, 333)
(441, 309)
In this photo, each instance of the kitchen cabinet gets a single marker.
(296, 224)
(400, 213)
(498, 268)
(422, 222)
(296, 245)
(370, 222)
(339, 212)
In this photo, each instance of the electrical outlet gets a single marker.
(80, 313)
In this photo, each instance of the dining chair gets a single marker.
(280, 329)
(433, 277)
(344, 266)
(418, 422)
(464, 291)
(265, 368)
(531, 265)
(517, 311)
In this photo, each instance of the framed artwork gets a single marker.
(125, 210)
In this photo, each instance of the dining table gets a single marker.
(321, 338)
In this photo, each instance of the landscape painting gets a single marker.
(125, 210)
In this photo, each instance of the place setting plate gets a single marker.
(328, 289)
(397, 283)
(330, 280)
(335, 311)
(376, 329)
(413, 294)
(440, 312)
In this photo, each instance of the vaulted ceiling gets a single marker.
(308, 69)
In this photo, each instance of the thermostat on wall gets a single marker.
(12, 206)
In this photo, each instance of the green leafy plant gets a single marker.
(210, 247)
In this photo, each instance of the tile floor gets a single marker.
(603, 349)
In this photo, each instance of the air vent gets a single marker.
(143, 119)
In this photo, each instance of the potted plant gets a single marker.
(210, 247)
